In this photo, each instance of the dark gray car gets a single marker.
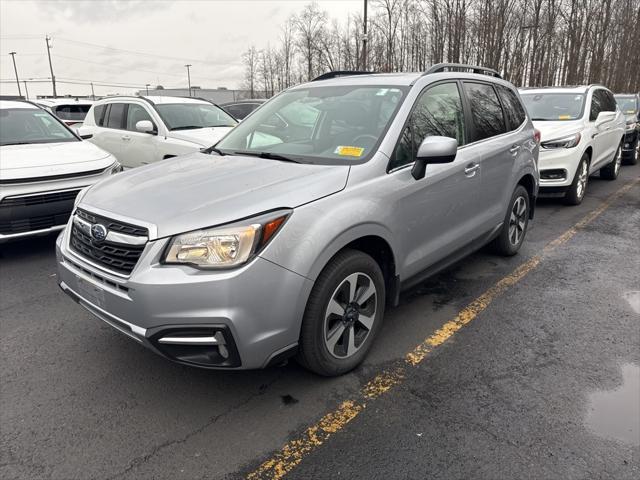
(293, 234)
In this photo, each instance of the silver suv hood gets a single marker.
(200, 190)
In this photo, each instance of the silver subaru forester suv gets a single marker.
(292, 234)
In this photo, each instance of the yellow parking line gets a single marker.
(292, 453)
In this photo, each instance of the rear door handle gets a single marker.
(471, 169)
(514, 149)
(126, 137)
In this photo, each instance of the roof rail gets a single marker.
(461, 67)
(340, 73)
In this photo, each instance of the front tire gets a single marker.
(514, 227)
(578, 187)
(611, 170)
(344, 312)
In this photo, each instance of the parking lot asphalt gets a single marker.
(543, 382)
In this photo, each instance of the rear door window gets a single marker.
(116, 116)
(98, 114)
(513, 109)
(486, 112)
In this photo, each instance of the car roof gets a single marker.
(17, 104)
(154, 99)
(560, 89)
(54, 102)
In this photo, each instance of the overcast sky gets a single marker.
(209, 34)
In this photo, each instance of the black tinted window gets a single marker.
(513, 110)
(485, 110)
(610, 101)
(598, 104)
(241, 110)
(98, 114)
(72, 112)
(438, 111)
(116, 116)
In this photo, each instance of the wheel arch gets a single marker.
(529, 183)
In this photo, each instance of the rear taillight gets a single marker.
(536, 135)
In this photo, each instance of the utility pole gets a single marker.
(13, 56)
(189, 77)
(364, 39)
(53, 77)
(26, 89)
(93, 94)
(147, 87)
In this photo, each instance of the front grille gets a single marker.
(119, 257)
(39, 199)
(14, 181)
(27, 213)
(33, 223)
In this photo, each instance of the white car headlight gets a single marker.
(569, 141)
(224, 247)
(630, 126)
(116, 167)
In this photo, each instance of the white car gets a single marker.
(71, 111)
(43, 166)
(142, 130)
(582, 130)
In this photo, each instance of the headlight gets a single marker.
(224, 247)
(630, 126)
(564, 142)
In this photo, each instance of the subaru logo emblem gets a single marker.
(98, 232)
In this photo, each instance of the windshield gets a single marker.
(338, 124)
(186, 116)
(553, 106)
(627, 104)
(29, 125)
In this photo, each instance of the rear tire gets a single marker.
(344, 312)
(578, 187)
(611, 170)
(514, 228)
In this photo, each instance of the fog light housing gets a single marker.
(554, 174)
(201, 346)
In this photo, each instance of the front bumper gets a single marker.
(558, 167)
(257, 308)
(630, 143)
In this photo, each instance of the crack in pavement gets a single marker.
(141, 460)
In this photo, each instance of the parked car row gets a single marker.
(289, 233)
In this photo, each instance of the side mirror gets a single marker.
(145, 126)
(604, 117)
(434, 150)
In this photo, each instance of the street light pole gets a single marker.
(13, 56)
(189, 77)
(53, 77)
(26, 89)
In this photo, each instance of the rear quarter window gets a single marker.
(513, 109)
(486, 111)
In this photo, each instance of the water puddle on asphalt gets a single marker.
(633, 298)
(616, 413)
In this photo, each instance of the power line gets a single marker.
(145, 54)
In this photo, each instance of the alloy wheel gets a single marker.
(350, 315)
(517, 221)
(616, 166)
(583, 178)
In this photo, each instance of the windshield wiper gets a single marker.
(213, 149)
(187, 127)
(268, 156)
(15, 143)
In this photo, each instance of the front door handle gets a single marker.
(514, 149)
(126, 138)
(471, 169)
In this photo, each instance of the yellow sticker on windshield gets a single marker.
(349, 151)
(564, 117)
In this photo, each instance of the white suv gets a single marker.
(142, 130)
(581, 130)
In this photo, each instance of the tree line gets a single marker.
(530, 42)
